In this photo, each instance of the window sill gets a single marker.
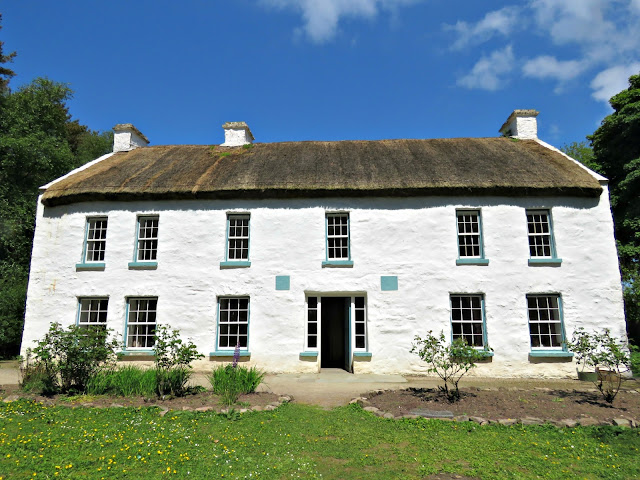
(143, 265)
(486, 353)
(472, 261)
(230, 353)
(550, 354)
(542, 262)
(137, 353)
(89, 266)
(308, 354)
(235, 264)
(362, 354)
(337, 264)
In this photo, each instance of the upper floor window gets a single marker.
(96, 239)
(540, 232)
(337, 239)
(545, 321)
(237, 247)
(141, 322)
(467, 319)
(470, 243)
(147, 242)
(92, 312)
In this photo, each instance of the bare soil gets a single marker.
(511, 402)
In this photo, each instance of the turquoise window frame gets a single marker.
(485, 339)
(236, 263)
(342, 262)
(144, 264)
(80, 299)
(563, 350)
(312, 351)
(481, 259)
(89, 264)
(553, 260)
(226, 352)
(136, 350)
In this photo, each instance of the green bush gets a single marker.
(65, 360)
(173, 361)
(449, 362)
(124, 381)
(230, 381)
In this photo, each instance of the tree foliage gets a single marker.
(38, 143)
(582, 152)
(616, 149)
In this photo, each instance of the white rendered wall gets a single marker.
(413, 238)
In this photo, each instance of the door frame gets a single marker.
(350, 330)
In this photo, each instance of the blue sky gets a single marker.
(329, 69)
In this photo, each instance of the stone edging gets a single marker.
(164, 409)
(567, 422)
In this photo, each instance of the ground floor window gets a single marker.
(545, 321)
(141, 322)
(92, 312)
(233, 322)
(467, 319)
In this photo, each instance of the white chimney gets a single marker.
(126, 137)
(236, 134)
(521, 124)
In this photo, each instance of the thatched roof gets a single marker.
(459, 166)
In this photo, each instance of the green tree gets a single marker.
(616, 149)
(5, 73)
(582, 152)
(38, 143)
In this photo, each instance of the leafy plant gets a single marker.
(173, 361)
(125, 381)
(609, 356)
(450, 362)
(230, 381)
(635, 360)
(65, 360)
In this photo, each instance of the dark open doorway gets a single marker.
(335, 333)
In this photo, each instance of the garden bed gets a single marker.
(494, 403)
(200, 400)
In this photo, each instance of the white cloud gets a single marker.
(321, 17)
(546, 66)
(603, 33)
(489, 72)
(497, 22)
(613, 80)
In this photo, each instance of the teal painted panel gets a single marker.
(388, 283)
(283, 282)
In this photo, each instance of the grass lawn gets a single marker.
(296, 441)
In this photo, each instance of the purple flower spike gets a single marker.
(236, 355)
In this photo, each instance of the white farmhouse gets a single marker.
(312, 255)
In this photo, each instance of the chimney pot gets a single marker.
(236, 134)
(521, 124)
(126, 137)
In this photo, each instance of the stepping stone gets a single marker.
(284, 399)
(588, 422)
(461, 418)
(423, 412)
(567, 422)
(371, 409)
(531, 421)
(479, 420)
(388, 415)
(508, 421)
(622, 422)
(11, 398)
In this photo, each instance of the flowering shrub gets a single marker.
(449, 362)
(609, 355)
